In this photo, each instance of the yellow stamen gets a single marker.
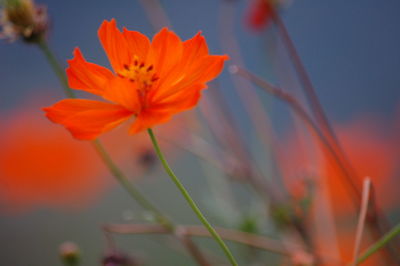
(138, 72)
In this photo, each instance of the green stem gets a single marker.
(59, 71)
(113, 168)
(189, 200)
(133, 191)
(380, 244)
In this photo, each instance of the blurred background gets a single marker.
(55, 189)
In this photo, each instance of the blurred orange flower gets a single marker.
(371, 153)
(346, 241)
(42, 166)
(152, 81)
(369, 150)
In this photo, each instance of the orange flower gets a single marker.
(151, 81)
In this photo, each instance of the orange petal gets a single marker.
(195, 48)
(200, 72)
(165, 51)
(123, 92)
(149, 118)
(115, 45)
(86, 76)
(87, 119)
(183, 100)
(138, 43)
(205, 70)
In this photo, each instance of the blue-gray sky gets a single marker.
(350, 48)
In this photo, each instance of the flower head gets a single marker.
(23, 19)
(151, 81)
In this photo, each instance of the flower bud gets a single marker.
(69, 253)
(147, 158)
(23, 19)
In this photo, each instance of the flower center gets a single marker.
(144, 75)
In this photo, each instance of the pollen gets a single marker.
(144, 75)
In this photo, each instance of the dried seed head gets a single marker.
(23, 19)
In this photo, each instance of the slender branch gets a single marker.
(311, 96)
(111, 246)
(58, 70)
(335, 153)
(133, 191)
(248, 239)
(189, 199)
(156, 14)
(253, 107)
(302, 74)
(379, 244)
(244, 238)
(300, 111)
(361, 219)
(191, 246)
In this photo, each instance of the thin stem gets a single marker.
(303, 76)
(361, 218)
(336, 154)
(379, 244)
(194, 250)
(253, 107)
(59, 71)
(251, 240)
(333, 150)
(189, 199)
(156, 14)
(133, 192)
(301, 112)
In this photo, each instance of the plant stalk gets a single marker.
(189, 199)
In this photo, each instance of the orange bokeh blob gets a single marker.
(372, 154)
(345, 245)
(41, 165)
(370, 151)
